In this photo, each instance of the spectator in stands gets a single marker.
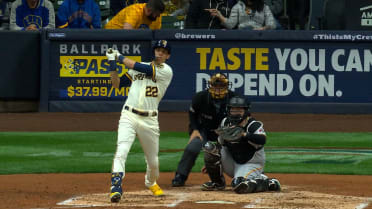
(298, 12)
(146, 15)
(276, 7)
(78, 14)
(2, 11)
(117, 5)
(335, 15)
(182, 7)
(248, 14)
(198, 16)
(31, 15)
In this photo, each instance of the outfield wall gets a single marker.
(20, 65)
(279, 71)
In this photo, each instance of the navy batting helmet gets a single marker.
(162, 44)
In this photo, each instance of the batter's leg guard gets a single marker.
(212, 161)
(116, 190)
(274, 185)
(241, 185)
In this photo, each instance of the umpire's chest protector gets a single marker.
(212, 111)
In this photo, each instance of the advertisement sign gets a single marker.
(271, 67)
(276, 71)
(80, 70)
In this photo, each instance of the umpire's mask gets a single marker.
(218, 86)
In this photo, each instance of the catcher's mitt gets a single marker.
(230, 134)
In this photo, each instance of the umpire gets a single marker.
(207, 110)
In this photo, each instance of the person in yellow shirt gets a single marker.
(145, 15)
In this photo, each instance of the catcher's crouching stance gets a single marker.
(239, 153)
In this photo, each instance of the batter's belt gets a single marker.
(141, 113)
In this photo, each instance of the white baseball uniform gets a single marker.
(139, 117)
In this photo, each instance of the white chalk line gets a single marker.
(215, 202)
(364, 205)
(65, 202)
(183, 197)
(76, 205)
(254, 204)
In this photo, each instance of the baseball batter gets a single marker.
(139, 115)
(239, 152)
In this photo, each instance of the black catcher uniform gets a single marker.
(241, 157)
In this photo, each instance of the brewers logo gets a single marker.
(164, 43)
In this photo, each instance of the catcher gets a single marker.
(239, 152)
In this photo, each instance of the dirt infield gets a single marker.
(41, 191)
(178, 121)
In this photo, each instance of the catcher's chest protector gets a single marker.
(242, 151)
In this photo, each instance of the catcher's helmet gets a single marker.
(162, 44)
(218, 86)
(238, 101)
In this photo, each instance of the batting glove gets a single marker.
(119, 56)
(111, 54)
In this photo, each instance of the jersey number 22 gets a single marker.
(151, 91)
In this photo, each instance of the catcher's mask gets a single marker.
(237, 101)
(218, 86)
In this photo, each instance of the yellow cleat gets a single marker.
(156, 190)
(115, 197)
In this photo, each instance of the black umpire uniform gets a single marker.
(205, 115)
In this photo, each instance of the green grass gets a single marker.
(320, 139)
(92, 152)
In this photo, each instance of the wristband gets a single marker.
(121, 58)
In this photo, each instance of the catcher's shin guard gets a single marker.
(116, 189)
(274, 185)
(240, 185)
(262, 185)
(212, 161)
